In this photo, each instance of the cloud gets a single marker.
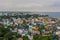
(30, 5)
(56, 4)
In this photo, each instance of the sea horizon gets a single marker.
(52, 14)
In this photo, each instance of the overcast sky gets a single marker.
(30, 5)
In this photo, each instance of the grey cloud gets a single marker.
(30, 5)
(56, 4)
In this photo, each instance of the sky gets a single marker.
(30, 5)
